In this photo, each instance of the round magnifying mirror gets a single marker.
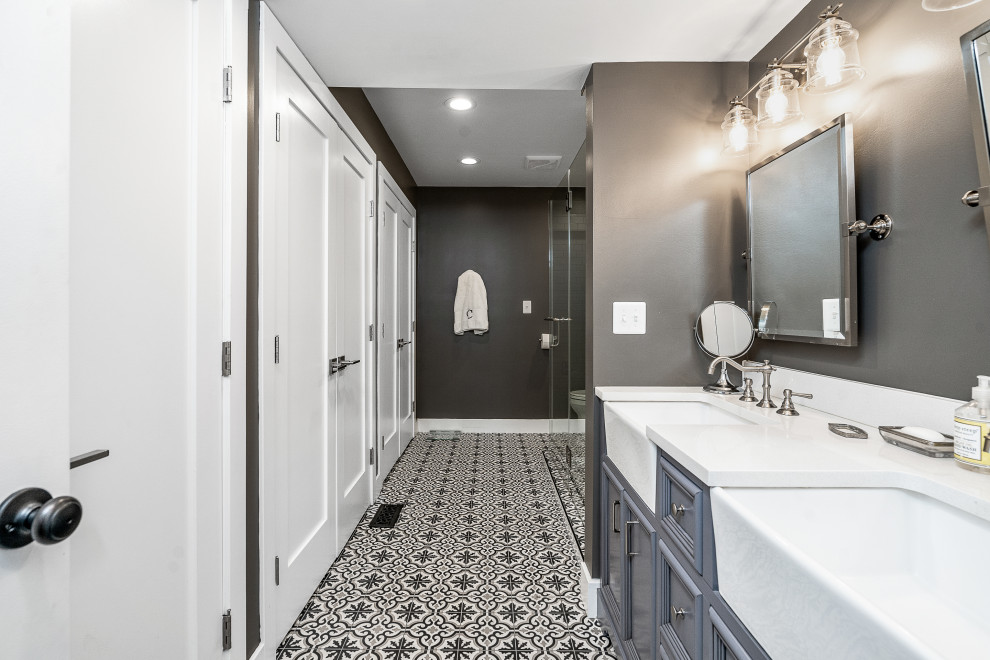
(724, 329)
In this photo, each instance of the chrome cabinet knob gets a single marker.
(32, 514)
(676, 511)
(677, 613)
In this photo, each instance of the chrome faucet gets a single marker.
(764, 368)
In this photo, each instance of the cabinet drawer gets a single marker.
(725, 646)
(681, 611)
(682, 509)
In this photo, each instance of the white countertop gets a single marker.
(800, 452)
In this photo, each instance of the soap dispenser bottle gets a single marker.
(972, 429)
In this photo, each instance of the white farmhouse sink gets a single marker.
(633, 452)
(846, 573)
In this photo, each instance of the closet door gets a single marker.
(299, 392)
(353, 263)
(390, 213)
(405, 293)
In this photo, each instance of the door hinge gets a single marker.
(225, 360)
(371, 332)
(372, 204)
(228, 84)
(414, 406)
(413, 245)
(276, 571)
(371, 456)
(414, 326)
(383, 331)
(225, 631)
(276, 349)
(278, 126)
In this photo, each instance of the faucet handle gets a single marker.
(787, 405)
(748, 395)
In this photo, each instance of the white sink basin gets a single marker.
(635, 454)
(853, 572)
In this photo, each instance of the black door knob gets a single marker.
(32, 514)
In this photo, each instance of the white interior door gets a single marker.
(406, 287)
(389, 438)
(34, 322)
(299, 451)
(354, 230)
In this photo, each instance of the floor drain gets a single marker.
(386, 516)
(445, 435)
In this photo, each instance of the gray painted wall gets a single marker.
(501, 233)
(668, 218)
(924, 306)
(666, 226)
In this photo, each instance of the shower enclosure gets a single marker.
(565, 322)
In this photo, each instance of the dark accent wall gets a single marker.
(501, 233)
(666, 224)
(355, 103)
(924, 293)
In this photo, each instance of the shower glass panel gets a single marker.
(566, 325)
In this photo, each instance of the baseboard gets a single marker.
(589, 591)
(484, 425)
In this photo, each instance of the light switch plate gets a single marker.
(527, 307)
(629, 318)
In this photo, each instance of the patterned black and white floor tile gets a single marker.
(479, 566)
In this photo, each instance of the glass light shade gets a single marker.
(946, 5)
(778, 100)
(738, 130)
(833, 57)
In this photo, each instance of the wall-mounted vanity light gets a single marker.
(831, 61)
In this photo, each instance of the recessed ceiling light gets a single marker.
(469, 160)
(459, 103)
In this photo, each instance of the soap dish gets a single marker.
(933, 449)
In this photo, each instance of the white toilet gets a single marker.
(576, 399)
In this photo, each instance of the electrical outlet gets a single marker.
(527, 307)
(629, 318)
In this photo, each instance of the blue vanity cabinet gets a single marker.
(694, 621)
(627, 597)
(611, 591)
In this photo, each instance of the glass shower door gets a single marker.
(565, 323)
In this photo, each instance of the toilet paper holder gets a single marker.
(552, 340)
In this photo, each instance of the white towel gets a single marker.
(470, 304)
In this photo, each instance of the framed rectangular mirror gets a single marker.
(802, 257)
(976, 64)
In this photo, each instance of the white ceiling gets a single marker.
(503, 128)
(519, 44)
(411, 55)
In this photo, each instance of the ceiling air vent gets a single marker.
(542, 162)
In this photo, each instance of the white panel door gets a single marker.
(34, 313)
(299, 493)
(389, 437)
(405, 288)
(352, 260)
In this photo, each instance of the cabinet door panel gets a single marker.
(640, 582)
(725, 646)
(613, 551)
(680, 608)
